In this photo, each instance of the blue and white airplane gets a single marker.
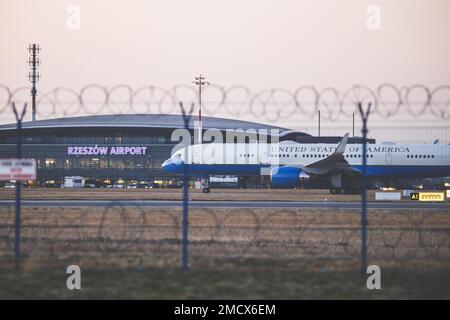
(290, 163)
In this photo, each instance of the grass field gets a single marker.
(176, 194)
(134, 252)
(222, 284)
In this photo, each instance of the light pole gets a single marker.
(199, 82)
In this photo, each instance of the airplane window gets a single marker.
(359, 156)
(420, 156)
(432, 156)
(303, 155)
(428, 156)
(407, 155)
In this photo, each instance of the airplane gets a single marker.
(290, 163)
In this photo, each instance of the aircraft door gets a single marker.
(388, 158)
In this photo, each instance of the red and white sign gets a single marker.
(17, 169)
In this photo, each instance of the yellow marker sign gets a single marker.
(431, 196)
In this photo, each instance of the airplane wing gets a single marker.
(334, 162)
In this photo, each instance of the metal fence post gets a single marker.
(18, 186)
(185, 223)
(364, 117)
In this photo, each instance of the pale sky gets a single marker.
(258, 43)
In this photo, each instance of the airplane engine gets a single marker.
(287, 177)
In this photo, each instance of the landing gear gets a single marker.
(205, 184)
(336, 190)
(344, 184)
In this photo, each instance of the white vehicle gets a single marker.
(73, 182)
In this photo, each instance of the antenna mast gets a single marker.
(33, 75)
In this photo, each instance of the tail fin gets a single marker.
(341, 147)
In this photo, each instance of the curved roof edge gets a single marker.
(138, 121)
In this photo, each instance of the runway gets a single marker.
(231, 204)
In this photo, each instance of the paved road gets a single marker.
(231, 204)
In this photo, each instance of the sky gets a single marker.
(260, 44)
(257, 43)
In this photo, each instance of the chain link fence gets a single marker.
(122, 235)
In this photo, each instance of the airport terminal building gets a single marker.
(119, 150)
(109, 148)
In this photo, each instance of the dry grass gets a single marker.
(176, 194)
(227, 238)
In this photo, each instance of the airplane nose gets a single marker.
(171, 165)
(166, 163)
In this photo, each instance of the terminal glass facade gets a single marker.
(94, 153)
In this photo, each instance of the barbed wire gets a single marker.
(121, 235)
(388, 100)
